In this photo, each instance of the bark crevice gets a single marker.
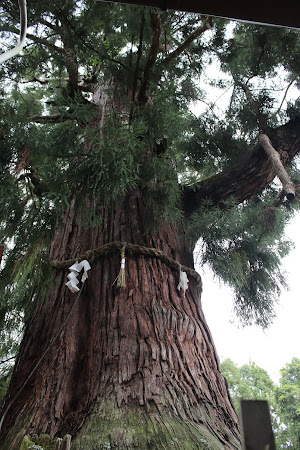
(142, 348)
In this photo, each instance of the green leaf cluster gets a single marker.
(288, 399)
(244, 247)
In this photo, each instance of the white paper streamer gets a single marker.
(183, 282)
(74, 271)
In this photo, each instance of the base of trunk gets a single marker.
(134, 367)
(132, 427)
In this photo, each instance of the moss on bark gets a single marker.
(110, 427)
(134, 367)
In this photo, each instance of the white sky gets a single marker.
(270, 349)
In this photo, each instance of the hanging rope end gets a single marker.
(121, 283)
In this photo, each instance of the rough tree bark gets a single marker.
(280, 171)
(133, 368)
(136, 367)
(249, 176)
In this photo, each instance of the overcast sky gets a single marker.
(270, 349)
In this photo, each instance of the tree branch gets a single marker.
(48, 24)
(247, 178)
(8, 359)
(44, 41)
(138, 59)
(263, 126)
(32, 37)
(206, 25)
(284, 96)
(52, 118)
(70, 55)
(280, 171)
(154, 49)
(89, 46)
(37, 80)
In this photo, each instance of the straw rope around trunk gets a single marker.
(131, 249)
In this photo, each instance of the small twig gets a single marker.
(8, 359)
(284, 97)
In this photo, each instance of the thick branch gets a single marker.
(52, 118)
(138, 59)
(1, 254)
(44, 41)
(69, 52)
(156, 25)
(282, 174)
(47, 24)
(206, 25)
(249, 177)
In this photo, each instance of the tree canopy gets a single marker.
(202, 170)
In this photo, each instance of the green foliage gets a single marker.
(42, 442)
(288, 399)
(210, 148)
(112, 166)
(248, 382)
(244, 247)
(259, 51)
(252, 382)
(5, 374)
(98, 140)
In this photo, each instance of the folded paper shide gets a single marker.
(183, 281)
(74, 271)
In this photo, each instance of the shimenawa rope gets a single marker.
(131, 249)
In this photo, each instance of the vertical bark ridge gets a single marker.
(124, 353)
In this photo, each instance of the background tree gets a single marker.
(252, 382)
(99, 150)
(247, 382)
(288, 400)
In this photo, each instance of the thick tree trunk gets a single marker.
(134, 367)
